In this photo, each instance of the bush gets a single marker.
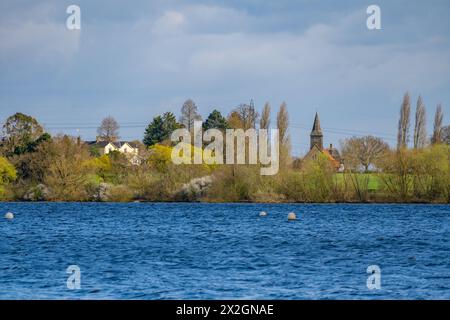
(292, 186)
(7, 171)
(37, 193)
(98, 191)
(120, 193)
(431, 173)
(318, 180)
(194, 190)
(234, 183)
(67, 173)
(396, 168)
(7, 175)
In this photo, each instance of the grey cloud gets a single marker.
(136, 61)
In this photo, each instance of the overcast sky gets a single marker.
(136, 59)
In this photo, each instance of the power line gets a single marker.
(142, 125)
(347, 132)
(295, 126)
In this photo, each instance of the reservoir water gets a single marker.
(224, 251)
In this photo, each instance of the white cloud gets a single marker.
(36, 40)
(40, 41)
(221, 56)
(205, 19)
(169, 23)
(319, 56)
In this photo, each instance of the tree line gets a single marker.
(35, 166)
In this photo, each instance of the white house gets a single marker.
(130, 149)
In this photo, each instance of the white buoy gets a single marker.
(9, 216)
(263, 214)
(291, 216)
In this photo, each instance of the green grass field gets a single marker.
(374, 180)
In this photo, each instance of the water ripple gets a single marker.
(224, 251)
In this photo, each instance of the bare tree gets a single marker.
(420, 131)
(189, 114)
(437, 129)
(404, 123)
(248, 115)
(363, 152)
(265, 117)
(108, 130)
(283, 125)
(445, 134)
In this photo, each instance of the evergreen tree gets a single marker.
(160, 129)
(215, 120)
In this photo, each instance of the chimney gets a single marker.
(331, 146)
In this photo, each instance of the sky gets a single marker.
(136, 59)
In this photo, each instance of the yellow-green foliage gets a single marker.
(7, 171)
(431, 176)
(318, 178)
(396, 168)
(101, 164)
(111, 168)
(314, 182)
(160, 157)
(7, 174)
(67, 170)
(102, 167)
(417, 175)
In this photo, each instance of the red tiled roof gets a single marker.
(336, 163)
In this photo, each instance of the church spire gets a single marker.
(316, 126)
(316, 136)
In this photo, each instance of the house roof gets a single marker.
(326, 152)
(117, 144)
(335, 162)
(334, 153)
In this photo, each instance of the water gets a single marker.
(224, 251)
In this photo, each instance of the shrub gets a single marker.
(234, 183)
(120, 193)
(431, 173)
(318, 179)
(194, 190)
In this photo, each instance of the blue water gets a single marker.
(224, 251)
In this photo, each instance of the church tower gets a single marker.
(316, 136)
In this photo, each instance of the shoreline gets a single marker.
(233, 202)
